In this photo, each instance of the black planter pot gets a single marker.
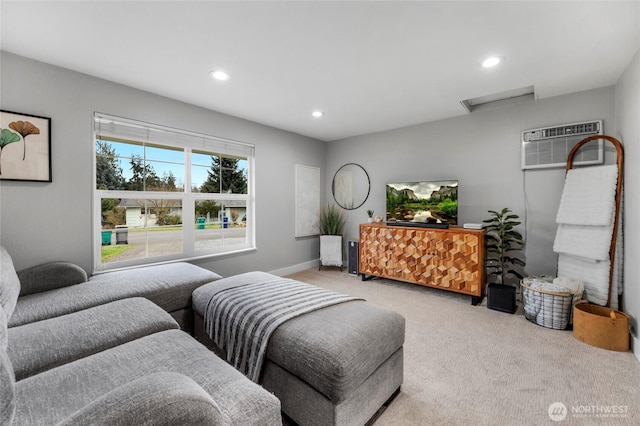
(501, 297)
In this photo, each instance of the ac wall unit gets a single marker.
(549, 147)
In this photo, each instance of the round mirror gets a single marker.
(351, 186)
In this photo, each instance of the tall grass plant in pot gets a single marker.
(331, 223)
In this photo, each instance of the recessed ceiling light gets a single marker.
(317, 114)
(219, 75)
(491, 62)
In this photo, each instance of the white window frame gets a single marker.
(187, 141)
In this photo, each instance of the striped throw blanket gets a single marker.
(240, 320)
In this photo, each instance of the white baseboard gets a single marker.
(296, 268)
(635, 346)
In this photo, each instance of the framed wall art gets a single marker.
(307, 200)
(25, 147)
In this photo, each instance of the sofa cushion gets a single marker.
(43, 345)
(50, 397)
(335, 349)
(7, 383)
(160, 399)
(168, 285)
(7, 379)
(9, 283)
(4, 335)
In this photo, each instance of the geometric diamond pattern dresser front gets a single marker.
(451, 259)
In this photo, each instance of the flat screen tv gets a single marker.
(426, 203)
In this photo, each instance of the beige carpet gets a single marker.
(470, 365)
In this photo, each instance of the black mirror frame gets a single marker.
(333, 186)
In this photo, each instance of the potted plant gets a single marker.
(370, 215)
(504, 259)
(331, 223)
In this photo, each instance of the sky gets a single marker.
(164, 160)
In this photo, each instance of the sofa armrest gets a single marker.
(50, 276)
(157, 399)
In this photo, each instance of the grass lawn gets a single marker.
(110, 251)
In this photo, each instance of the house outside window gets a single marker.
(164, 194)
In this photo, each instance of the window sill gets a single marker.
(209, 256)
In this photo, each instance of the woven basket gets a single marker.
(548, 308)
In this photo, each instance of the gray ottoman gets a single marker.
(335, 366)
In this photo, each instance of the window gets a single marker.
(164, 194)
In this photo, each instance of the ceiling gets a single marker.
(368, 65)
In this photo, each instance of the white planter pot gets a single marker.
(331, 250)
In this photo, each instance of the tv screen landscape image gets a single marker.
(426, 202)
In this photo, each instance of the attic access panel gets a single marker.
(549, 147)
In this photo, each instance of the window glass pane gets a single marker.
(200, 158)
(122, 166)
(220, 223)
(112, 212)
(125, 154)
(234, 175)
(126, 149)
(216, 174)
(112, 164)
(116, 244)
(168, 154)
(164, 227)
(136, 229)
(163, 176)
(198, 178)
(136, 174)
(205, 172)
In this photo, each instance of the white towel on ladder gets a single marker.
(590, 242)
(592, 273)
(585, 228)
(588, 197)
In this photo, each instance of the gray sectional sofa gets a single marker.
(104, 351)
(59, 288)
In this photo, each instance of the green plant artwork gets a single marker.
(34, 162)
(7, 137)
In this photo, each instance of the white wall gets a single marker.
(627, 108)
(42, 222)
(482, 151)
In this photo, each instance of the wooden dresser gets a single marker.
(450, 259)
